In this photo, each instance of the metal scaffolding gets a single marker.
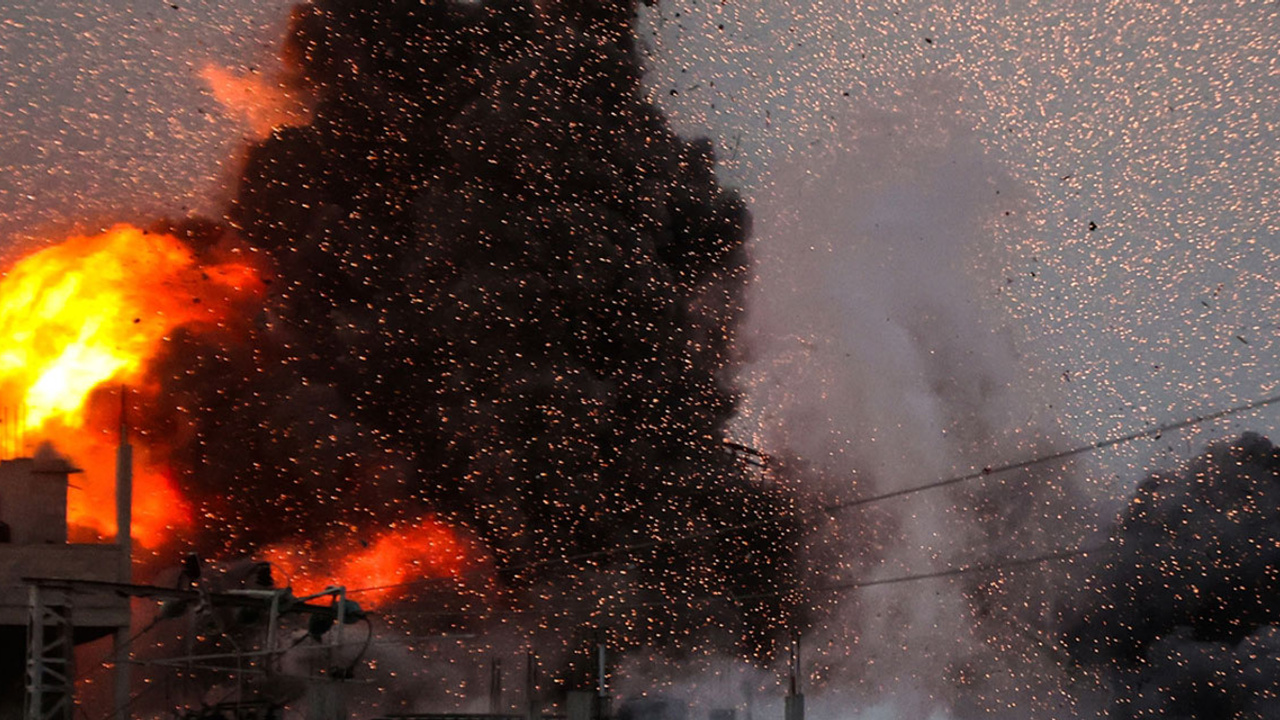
(50, 653)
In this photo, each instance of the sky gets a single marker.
(105, 116)
(982, 228)
(1132, 253)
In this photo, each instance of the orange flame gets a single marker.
(379, 568)
(93, 311)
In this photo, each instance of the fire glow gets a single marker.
(262, 104)
(89, 313)
(382, 568)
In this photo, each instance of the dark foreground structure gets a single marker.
(41, 617)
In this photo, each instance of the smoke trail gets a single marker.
(1180, 617)
(506, 294)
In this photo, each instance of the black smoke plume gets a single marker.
(1181, 615)
(504, 292)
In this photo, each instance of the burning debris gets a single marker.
(475, 318)
(505, 296)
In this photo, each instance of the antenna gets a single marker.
(124, 541)
(124, 490)
(603, 707)
(794, 705)
(124, 414)
(532, 709)
(495, 685)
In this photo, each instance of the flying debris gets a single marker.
(504, 296)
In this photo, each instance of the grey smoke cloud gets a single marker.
(878, 357)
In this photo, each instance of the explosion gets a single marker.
(88, 314)
(94, 313)
(522, 327)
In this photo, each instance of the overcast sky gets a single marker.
(1133, 253)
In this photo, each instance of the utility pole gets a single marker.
(592, 704)
(794, 708)
(604, 709)
(533, 711)
(495, 686)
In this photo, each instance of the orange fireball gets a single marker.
(91, 312)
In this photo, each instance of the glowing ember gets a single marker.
(379, 567)
(90, 312)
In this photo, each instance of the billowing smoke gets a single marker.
(504, 294)
(1181, 616)
(877, 358)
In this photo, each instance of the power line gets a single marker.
(971, 568)
(968, 569)
(1062, 455)
(857, 502)
(590, 555)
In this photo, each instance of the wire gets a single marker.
(857, 502)
(1080, 450)
(968, 569)
(971, 568)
